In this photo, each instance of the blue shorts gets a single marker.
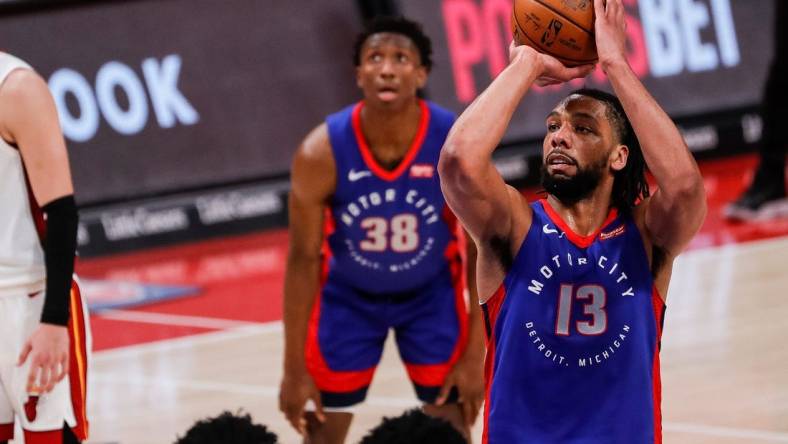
(348, 328)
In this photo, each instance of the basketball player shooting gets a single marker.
(573, 285)
(374, 248)
(42, 322)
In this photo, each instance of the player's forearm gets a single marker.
(479, 129)
(301, 287)
(664, 150)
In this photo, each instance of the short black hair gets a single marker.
(396, 25)
(630, 185)
(414, 427)
(228, 428)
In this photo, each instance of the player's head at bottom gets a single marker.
(589, 144)
(413, 427)
(228, 428)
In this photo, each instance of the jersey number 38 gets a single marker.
(398, 234)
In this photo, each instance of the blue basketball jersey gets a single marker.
(389, 231)
(573, 338)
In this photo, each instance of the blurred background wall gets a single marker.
(181, 116)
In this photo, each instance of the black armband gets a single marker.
(60, 245)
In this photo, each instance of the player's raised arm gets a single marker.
(492, 212)
(313, 180)
(474, 189)
(676, 211)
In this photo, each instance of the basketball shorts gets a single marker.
(41, 417)
(348, 328)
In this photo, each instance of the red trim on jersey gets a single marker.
(50, 437)
(326, 379)
(455, 255)
(415, 146)
(580, 241)
(492, 307)
(35, 209)
(659, 310)
(78, 366)
(6, 432)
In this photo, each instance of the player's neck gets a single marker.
(585, 216)
(390, 132)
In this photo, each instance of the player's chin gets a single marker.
(561, 170)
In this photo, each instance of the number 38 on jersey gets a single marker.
(399, 234)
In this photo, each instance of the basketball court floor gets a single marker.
(185, 332)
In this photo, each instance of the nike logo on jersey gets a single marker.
(547, 230)
(354, 175)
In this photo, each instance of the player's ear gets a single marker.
(421, 76)
(358, 76)
(618, 157)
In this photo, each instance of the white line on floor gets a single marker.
(725, 432)
(173, 319)
(185, 342)
(402, 402)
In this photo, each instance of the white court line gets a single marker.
(725, 432)
(190, 341)
(173, 319)
(402, 402)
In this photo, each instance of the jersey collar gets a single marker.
(369, 158)
(577, 239)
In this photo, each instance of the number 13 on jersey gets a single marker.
(594, 298)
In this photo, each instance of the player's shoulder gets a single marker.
(316, 145)
(19, 82)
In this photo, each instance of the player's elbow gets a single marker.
(691, 192)
(454, 168)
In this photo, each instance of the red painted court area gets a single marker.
(240, 278)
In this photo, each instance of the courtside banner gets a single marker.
(165, 95)
(694, 56)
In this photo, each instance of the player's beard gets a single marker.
(572, 189)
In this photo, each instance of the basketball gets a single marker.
(562, 28)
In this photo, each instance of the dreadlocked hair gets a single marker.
(629, 184)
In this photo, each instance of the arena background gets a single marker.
(182, 116)
(203, 102)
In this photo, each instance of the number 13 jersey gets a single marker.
(389, 231)
(573, 338)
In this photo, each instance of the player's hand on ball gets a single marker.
(47, 349)
(296, 389)
(551, 71)
(610, 28)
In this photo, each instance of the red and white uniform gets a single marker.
(22, 282)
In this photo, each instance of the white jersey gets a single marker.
(21, 253)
